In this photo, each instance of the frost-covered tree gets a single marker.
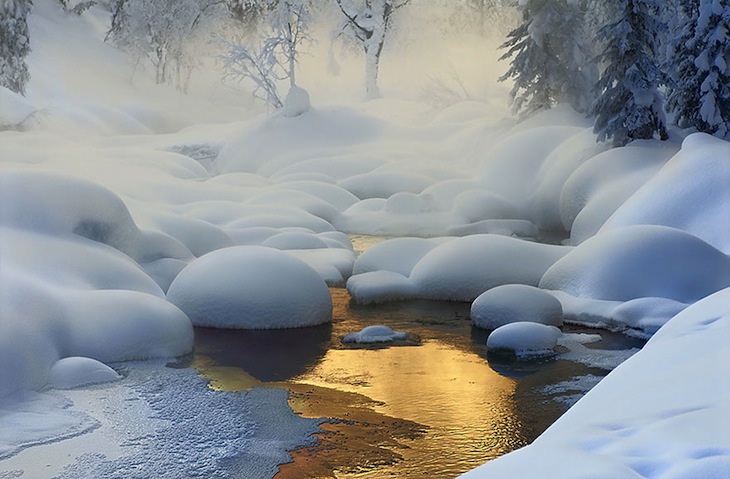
(162, 32)
(699, 95)
(14, 44)
(629, 104)
(368, 23)
(275, 57)
(480, 16)
(77, 8)
(550, 59)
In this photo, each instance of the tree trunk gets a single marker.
(372, 65)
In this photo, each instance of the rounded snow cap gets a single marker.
(296, 102)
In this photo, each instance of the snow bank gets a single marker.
(640, 317)
(73, 282)
(189, 430)
(524, 340)
(690, 193)
(645, 419)
(512, 303)
(641, 261)
(250, 287)
(374, 334)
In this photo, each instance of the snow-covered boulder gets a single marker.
(380, 286)
(75, 371)
(641, 261)
(513, 303)
(524, 340)
(374, 334)
(249, 287)
(463, 268)
(399, 255)
(690, 193)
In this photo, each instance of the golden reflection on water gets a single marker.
(224, 378)
(431, 410)
(466, 407)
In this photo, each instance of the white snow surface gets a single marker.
(511, 303)
(524, 339)
(251, 287)
(645, 419)
(689, 193)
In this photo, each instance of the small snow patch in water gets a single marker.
(375, 334)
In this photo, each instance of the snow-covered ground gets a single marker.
(111, 198)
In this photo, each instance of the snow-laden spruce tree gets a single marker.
(14, 44)
(699, 95)
(680, 53)
(284, 29)
(550, 57)
(629, 105)
(368, 23)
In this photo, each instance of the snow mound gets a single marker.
(379, 287)
(77, 371)
(600, 185)
(250, 287)
(294, 240)
(512, 303)
(450, 269)
(399, 255)
(374, 334)
(511, 166)
(641, 261)
(690, 193)
(296, 102)
(385, 185)
(558, 166)
(463, 268)
(524, 340)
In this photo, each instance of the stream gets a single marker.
(433, 407)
